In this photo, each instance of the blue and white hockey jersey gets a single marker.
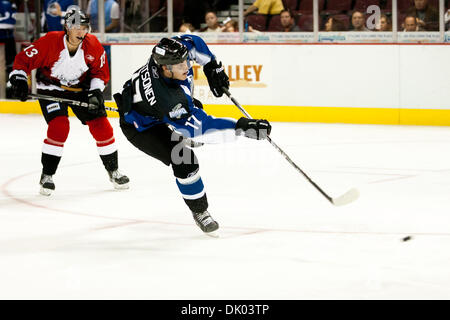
(156, 99)
(7, 15)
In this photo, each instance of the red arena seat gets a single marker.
(306, 22)
(275, 24)
(345, 19)
(339, 5)
(307, 5)
(362, 5)
(290, 4)
(257, 21)
(155, 5)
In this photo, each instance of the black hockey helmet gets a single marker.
(169, 51)
(74, 17)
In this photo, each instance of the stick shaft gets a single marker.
(73, 102)
(292, 163)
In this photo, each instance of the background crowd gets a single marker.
(223, 15)
(133, 16)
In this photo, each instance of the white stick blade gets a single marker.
(346, 198)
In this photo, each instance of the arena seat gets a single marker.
(306, 22)
(345, 19)
(339, 5)
(290, 4)
(257, 21)
(306, 6)
(155, 5)
(362, 5)
(275, 24)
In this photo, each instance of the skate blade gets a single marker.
(45, 191)
(213, 234)
(121, 186)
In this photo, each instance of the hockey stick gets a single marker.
(74, 102)
(344, 199)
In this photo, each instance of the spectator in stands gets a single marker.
(410, 24)
(231, 26)
(112, 15)
(54, 11)
(385, 23)
(358, 22)
(271, 7)
(334, 24)
(212, 24)
(7, 23)
(427, 15)
(112, 23)
(447, 20)
(186, 28)
(287, 22)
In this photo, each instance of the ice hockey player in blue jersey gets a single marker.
(8, 11)
(158, 115)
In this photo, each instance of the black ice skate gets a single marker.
(205, 222)
(47, 185)
(119, 180)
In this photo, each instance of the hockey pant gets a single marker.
(161, 143)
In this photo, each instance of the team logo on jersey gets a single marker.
(67, 69)
(90, 58)
(155, 72)
(177, 111)
(53, 107)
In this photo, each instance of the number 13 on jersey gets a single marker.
(31, 52)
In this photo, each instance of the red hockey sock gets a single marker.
(57, 132)
(52, 149)
(103, 134)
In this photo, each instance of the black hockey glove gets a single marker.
(96, 101)
(197, 103)
(19, 86)
(253, 128)
(217, 78)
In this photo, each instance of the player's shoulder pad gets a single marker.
(91, 45)
(53, 35)
(91, 40)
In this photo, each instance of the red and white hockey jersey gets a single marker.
(57, 70)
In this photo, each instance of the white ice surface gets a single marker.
(279, 237)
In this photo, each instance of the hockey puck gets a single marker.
(407, 238)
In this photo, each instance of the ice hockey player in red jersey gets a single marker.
(70, 64)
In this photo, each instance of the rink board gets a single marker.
(392, 116)
(329, 83)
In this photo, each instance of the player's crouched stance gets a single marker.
(70, 64)
(159, 97)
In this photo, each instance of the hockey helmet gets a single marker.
(169, 52)
(75, 17)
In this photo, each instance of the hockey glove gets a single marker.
(19, 86)
(217, 78)
(253, 128)
(96, 101)
(197, 103)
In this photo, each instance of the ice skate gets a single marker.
(206, 223)
(47, 185)
(119, 180)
